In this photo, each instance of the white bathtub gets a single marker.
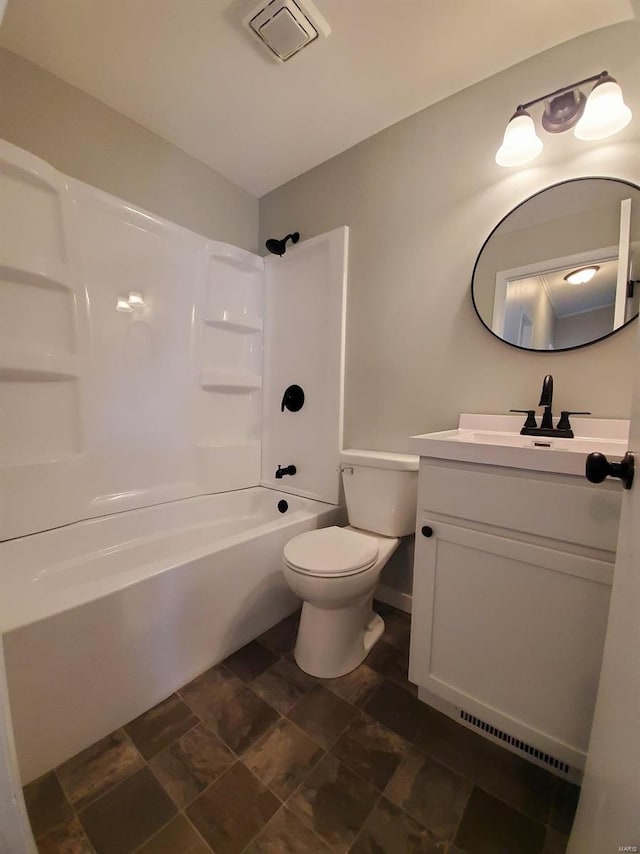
(104, 618)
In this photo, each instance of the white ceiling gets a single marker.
(570, 299)
(188, 71)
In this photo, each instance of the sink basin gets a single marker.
(496, 440)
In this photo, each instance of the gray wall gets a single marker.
(576, 328)
(420, 198)
(84, 138)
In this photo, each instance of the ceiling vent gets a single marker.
(285, 27)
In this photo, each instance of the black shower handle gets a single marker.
(292, 399)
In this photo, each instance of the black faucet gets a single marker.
(280, 471)
(546, 400)
(546, 428)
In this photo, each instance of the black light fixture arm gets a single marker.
(562, 91)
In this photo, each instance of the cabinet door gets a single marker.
(511, 632)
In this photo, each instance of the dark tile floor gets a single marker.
(256, 756)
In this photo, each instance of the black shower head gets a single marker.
(279, 247)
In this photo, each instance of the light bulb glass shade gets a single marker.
(521, 143)
(582, 276)
(605, 112)
(122, 304)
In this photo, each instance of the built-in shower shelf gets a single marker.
(249, 445)
(231, 381)
(237, 258)
(42, 274)
(16, 365)
(31, 467)
(242, 323)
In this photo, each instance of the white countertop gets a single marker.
(496, 440)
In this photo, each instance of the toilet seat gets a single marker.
(331, 552)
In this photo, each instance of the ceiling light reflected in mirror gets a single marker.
(581, 276)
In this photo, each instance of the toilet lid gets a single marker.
(331, 551)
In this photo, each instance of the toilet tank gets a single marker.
(380, 490)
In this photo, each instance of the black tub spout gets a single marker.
(281, 471)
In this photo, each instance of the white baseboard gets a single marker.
(395, 598)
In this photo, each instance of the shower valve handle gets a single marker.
(292, 399)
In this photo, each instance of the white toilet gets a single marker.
(335, 570)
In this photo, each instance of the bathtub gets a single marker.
(104, 618)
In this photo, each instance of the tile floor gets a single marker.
(255, 756)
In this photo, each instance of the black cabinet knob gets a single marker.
(427, 531)
(598, 468)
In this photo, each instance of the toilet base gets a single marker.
(334, 641)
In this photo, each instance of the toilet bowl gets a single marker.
(335, 570)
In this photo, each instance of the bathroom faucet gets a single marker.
(280, 471)
(546, 400)
(546, 428)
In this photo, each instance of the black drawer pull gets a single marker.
(427, 531)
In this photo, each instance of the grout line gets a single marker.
(145, 764)
(262, 829)
(66, 794)
(99, 797)
(60, 825)
(462, 814)
(482, 789)
(305, 733)
(156, 833)
(368, 816)
(192, 825)
(312, 768)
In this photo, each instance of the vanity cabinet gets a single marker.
(512, 577)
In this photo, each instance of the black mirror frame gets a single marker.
(496, 227)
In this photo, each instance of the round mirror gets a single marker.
(558, 271)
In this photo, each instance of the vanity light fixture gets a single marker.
(600, 115)
(582, 275)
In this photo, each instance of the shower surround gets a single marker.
(142, 366)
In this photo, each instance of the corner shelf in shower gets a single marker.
(38, 367)
(232, 322)
(233, 256)
(230, 381)
(248, 445)
(40, 273)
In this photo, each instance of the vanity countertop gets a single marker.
(496, 440)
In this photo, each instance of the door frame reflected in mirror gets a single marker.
(495, 322)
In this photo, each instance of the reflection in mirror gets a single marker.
(557, 272)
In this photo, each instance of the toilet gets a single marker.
(335, 570)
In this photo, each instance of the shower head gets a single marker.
(279, 247)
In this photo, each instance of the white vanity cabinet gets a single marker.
(512, 577)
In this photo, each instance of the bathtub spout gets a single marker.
(280, 471)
